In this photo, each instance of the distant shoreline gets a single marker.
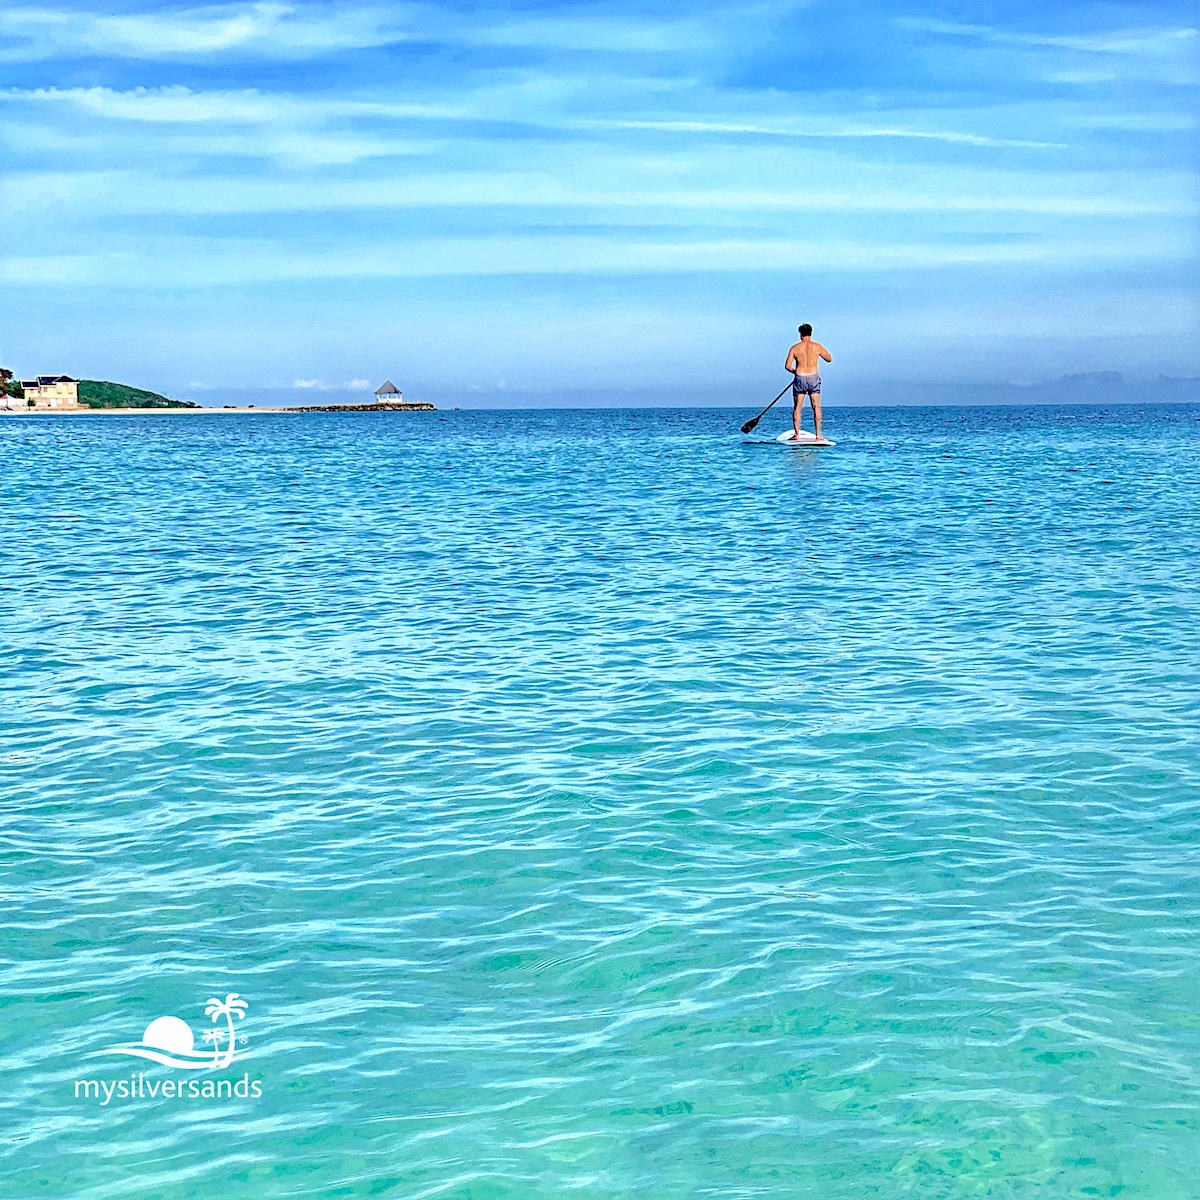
(421, 406)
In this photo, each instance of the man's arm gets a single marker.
(793, 362)
(826, 355)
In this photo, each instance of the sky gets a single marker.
(501, 203)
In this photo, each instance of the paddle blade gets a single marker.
(749, 425)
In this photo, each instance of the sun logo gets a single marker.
(170, 1041)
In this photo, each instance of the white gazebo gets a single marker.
(389, 394)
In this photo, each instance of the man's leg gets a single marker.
(816, 407)
(797, 409)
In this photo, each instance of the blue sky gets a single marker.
(492, 202)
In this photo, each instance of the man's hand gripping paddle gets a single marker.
(749, 425)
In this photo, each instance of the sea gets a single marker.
(601, 804)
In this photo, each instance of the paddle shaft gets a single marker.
(749, 425)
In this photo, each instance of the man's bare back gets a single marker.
(805, 356)
(803, 360)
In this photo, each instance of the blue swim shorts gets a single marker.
(805, 385)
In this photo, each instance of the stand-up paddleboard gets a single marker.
(805, 439)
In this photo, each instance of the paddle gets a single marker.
(749, 425)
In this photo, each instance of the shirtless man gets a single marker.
(803, 361)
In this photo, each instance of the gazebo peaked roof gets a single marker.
(388, 389)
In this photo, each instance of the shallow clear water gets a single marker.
(592, 804)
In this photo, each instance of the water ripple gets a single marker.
(593, 804)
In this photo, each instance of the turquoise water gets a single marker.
(592, 804)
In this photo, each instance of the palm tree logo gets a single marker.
(214, 1036)
(226, 1008)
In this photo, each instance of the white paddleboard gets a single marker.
(805, 439)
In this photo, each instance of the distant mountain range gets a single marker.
(1096, 387)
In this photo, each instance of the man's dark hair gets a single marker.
(805, 330)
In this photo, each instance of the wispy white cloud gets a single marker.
(298, 131)
(615, 32)
(1129, 121)
(818, 128)
(647, 189)
(259, 262)
(1164, 55)
(282, 31)
(271, 30)
(319, 385)
(270, 116)
(202, 31)
(1129, 42)
(245, 106)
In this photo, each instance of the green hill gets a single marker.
(98, 393)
